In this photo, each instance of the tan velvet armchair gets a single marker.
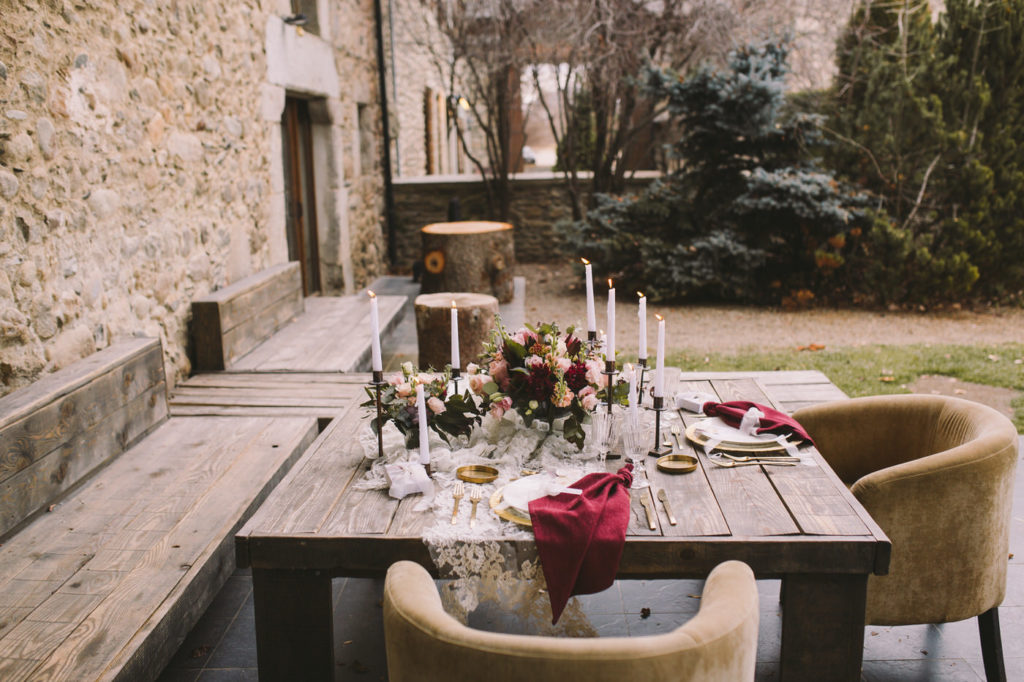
(937, 474)
(425, 644)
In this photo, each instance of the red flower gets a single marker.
(540, 382)
(576, 376)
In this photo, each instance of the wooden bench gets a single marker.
(117, 523)
(262, 323)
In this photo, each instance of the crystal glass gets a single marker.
(634, 442)
(601, 423)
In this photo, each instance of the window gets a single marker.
(308, 8)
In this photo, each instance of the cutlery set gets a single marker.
(475, 495)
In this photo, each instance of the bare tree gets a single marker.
(596, 51)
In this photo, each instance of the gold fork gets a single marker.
(474, 497)
(457, 493)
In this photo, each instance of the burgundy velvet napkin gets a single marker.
(580, 537)
(773, 421)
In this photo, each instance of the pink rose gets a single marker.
(594, 373)
(472, 368)
(435, 405)
(425, 378)
(563, 364)
(533, 361)
(589, 401)
(403, 389)
(499, 408)
(585, 391)
(476, 383)
(396, 379)
(499, 372)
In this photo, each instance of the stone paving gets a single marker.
(222, 646)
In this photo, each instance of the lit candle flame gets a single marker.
(610, 285)
(659, 317)
(640, 294)
(453, 303)
(585, 261)
(371, 294)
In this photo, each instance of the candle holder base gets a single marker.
(456, 374)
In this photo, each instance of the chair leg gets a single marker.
(992, 645)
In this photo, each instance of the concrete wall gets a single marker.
(141, 164)
(539, 202)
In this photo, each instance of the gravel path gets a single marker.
(555, 293)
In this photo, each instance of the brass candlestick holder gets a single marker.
(378, 384)
(609, 371)
(658, 450)
(642, 364)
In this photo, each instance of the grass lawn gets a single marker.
(880, 369)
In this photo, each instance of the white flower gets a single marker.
(472, 368)
(407, 368)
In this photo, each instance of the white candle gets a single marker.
(374, 333)
(659, 372)
(455, 337)
(633, 402)
(642, 314)
(591, 315)
(610, 353)
(421, 408)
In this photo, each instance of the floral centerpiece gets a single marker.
(541, 374)
(447, 415)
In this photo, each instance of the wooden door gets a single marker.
(300, 196)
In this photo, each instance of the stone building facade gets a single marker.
(142, 163)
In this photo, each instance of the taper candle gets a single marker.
(421, 410)
(642, 336)
(375, 365)
(455, 336)
(591, 315)
(659, 372)
(610, 352)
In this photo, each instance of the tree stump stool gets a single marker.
(434, 326)
(473, 255)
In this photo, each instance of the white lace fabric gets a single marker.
(480, 567)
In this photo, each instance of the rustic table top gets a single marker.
(780, 520)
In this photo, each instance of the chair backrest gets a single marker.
(427, 645)
(936, 473)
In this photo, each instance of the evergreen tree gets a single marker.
(750, 216)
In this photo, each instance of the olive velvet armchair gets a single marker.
(425, 644)
(936, 473)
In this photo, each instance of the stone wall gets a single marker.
(140, 166)
(539, 202)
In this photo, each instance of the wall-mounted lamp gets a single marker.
(295, 19)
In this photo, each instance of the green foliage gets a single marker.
(929, 117)
(578, 148)
(750, 217)
(882, 369)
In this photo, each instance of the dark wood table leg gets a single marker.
(294, 625)
(823, 627)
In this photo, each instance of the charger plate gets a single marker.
(701, 439)
(508, 513)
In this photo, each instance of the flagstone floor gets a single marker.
(222, 646)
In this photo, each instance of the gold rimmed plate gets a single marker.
(508, 513)
(677, 464)
(701, 439)
(476, 473)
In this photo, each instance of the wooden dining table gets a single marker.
(797, 523)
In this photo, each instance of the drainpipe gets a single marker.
(389, 199)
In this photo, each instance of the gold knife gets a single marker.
(646, 502)
(668, 510)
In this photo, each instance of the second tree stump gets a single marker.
(433, 326)
(471, 255)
